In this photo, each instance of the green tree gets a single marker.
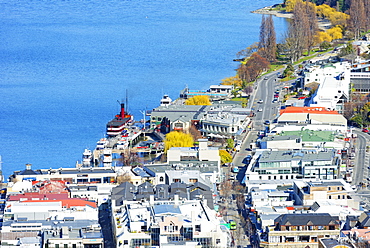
(198, 100)
(230, 143)
(225, 157)
(177, 139)
(288, 70)
(325, 45)
(347, 50)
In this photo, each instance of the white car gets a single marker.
(259, 110)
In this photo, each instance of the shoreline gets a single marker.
(323, 24)
(268, 11)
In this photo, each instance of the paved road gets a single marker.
(106, 225)
(361, 173)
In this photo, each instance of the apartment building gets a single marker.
(180, 223)
(302, 230)
(336, 191)
(291, 164)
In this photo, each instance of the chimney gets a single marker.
(151, 199)
(28, 166)
(122, 114)
(176, 200)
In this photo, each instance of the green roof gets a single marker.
(314, 136)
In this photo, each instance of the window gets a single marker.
(74, 246)
(176, 180)
(65, 246)
(218, 241)
(197, 228)
(56, 245)
(161, 179)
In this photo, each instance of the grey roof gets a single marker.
(28, 172)
(162, 191)
(178, 187)
(317, 219)
(325, 183)
(202, 166)
(166, 209)
(124, 191)
(364, 219)
(332, 243)
(280, 137)
(280, 156)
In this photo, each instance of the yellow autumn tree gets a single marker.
(335, 33)
(324, 10)
(198, 100)
(338, 18)
(225, 157)
(322, 36)
(334, 16)
(177, 139)
(290, 4)
(235, 80)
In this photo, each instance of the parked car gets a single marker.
(365, 130)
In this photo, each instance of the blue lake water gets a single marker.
(64, 65)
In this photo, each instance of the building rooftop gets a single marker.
(308, 110)
(280, 156)
(310, 135)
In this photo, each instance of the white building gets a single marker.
(333, 91)
(169, 223)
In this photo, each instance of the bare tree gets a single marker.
(357, 20)
(298, 31)
(267, 43)
(367, 15)
(124, 178)
(312, 26)
(195, 132)
(248, 51)
(248, 90)
(129, 157)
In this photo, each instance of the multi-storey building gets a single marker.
(336, 191)
(184, 223)
(290, 164)
(301, 230)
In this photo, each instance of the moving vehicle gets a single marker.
(232, 225)
(260, 101)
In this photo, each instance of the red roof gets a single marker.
(36, 195)
(68, 203)
(290, 208)
(308, 110)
